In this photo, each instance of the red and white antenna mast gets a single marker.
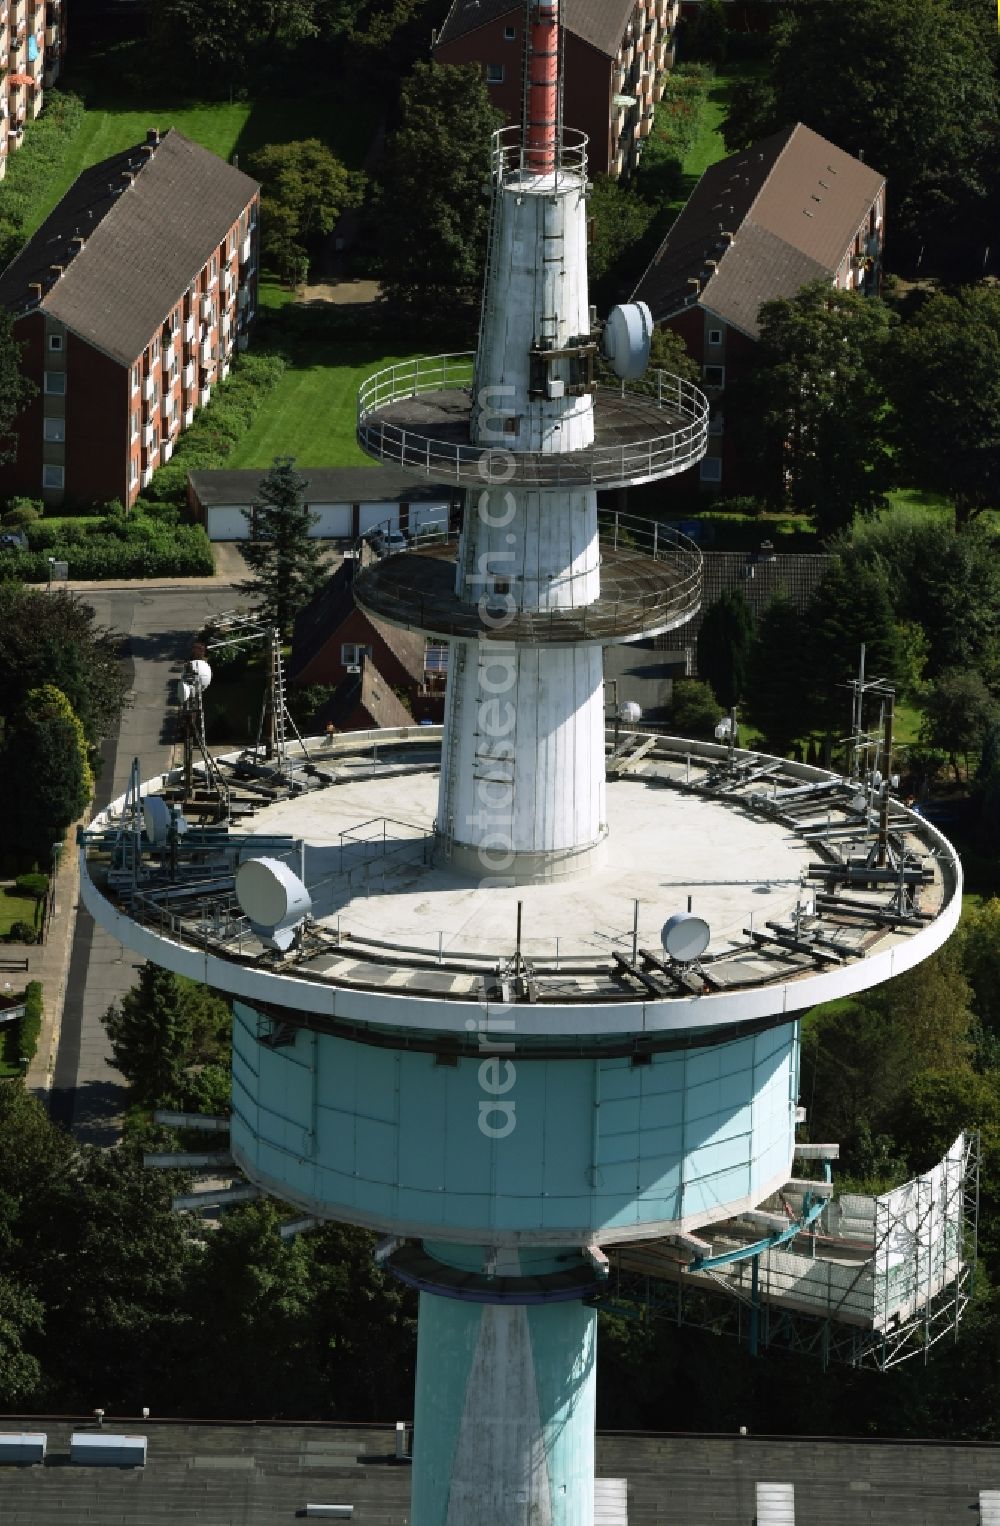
(542, 87)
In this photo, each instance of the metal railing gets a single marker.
(404, 587)
(510, 156)
(414, 446)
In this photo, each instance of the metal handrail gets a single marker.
(662, 455)
(509, 156)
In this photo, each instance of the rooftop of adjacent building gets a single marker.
(601, 23)
(227, 1474)
(758, 225)
(119, 250)
(323, 484)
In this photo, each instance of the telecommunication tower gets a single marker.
(512, 999)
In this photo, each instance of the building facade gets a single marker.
(130, 302)
(759, 225)
(31, 46)
(617, 56)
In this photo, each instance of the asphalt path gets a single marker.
(158, 623)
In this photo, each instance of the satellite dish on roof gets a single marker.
(628, 335)
(273, 899)
(200, 672)
(629, 711)
(158, 817)
(685, 937)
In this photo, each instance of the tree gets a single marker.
(724, 643)
(958, 711)
(15, 390)
(775, 675)
(286, 561)
(906, 84)
(620, 219)
(433, 213)
(694, 709)
(849, 605)
(304, 189)
(704, 36)
(150, 1030)
(45, 769)
(945, 389)
(227, 43)
(811, 414)
(52, 638)
(980, 933)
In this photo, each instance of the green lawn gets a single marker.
(708, 146)
(16, 908)
(311, 413)
(237, 128)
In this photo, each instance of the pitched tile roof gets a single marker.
(321, 619)
(598, 22)
(143, 242)
(365, 699)
(760, 224)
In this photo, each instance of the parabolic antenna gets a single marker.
(685, 937)
(158, 817)
(629, 711)
(273, 899)
(200, 671)
(628, 335)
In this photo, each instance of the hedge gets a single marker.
(136, 548)
(675, 128)
(219, 427)
(31, 1022)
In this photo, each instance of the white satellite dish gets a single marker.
(200, 671)
(685, 937)
(628, 335)
(273, 899)
(629, 711)
(158, 816)
(184, 691)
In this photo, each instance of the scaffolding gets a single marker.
(876, 1281)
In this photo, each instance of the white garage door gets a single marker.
(335, 521)
(372, 514)
(226, 522)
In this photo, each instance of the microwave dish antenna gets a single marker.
(274, 901)
(628, 337)
(685, 937)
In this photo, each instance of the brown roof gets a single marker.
(365, 699)
(598, 22)
(145, 241)
(770, 218)
(320, 621)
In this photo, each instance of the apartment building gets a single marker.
(761, 224)
(31, 44)
(130, 302)
(617, 56)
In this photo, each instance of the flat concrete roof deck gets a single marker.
(768, 852)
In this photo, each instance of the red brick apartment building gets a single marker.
(31, 43)
(130, 301)
(761, 224)
(617, 52)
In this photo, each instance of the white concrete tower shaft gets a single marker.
(522, 778)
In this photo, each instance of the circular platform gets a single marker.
(417, 415)
(650, 582)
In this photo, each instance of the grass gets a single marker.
(311, 413)
(708, 146)
(16, 908)
(229, 129)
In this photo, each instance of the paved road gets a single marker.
(87, 1094)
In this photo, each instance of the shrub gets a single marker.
(136, 548)
(31, 1023)
(20, 932)
(34, 884)
(23, 513)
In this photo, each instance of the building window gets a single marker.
(55, 383)
(715, 376)
(55, 341)
(214, 269)
(136, 374)
(54, 429)
(710, 469)
(135, 425)
(716, 424)
(715, 336)
(154, 352)
(494, 74)
(133, 472)
(510, 34)
(53, 476)
(351, 655)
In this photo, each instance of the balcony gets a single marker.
(188, 417)
(189, 328)
(149, 387)
(245, 248)
(205, 352)
(167, 451)
(166, 404)
(204, 397)
(207, 310)
(187, 376)
(242, 298)
(148, 436)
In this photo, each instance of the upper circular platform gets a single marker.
(781, 861)
(417, 414)
(650, 582)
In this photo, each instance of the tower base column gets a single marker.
(504, 1413)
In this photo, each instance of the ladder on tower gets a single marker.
(457, 662)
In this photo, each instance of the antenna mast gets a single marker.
(542, 107)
